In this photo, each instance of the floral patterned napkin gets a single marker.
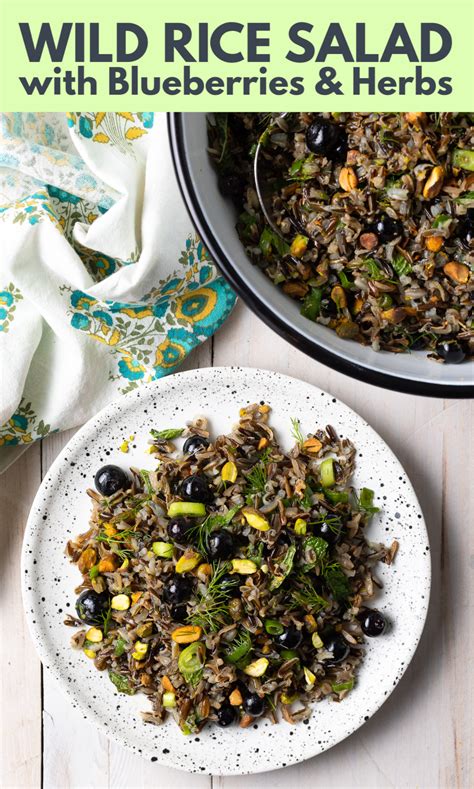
(104, 285)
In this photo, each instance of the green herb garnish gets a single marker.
(284, 569)
(211, 611)
(312, 304)
(365, 501)
(296, 431)
(239, 649)
(336, 581)
(94, 572)
(120, 645)
(401, 266)
(121, 683)
(167, 435)
(200, 533)
(337, 687)
(306, 596)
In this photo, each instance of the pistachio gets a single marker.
(140, 650)
(310, 623)
(229, 472)
(145, 679)
(457, 271)
(204, 571)
(295, 289)
(338, 295)
(257, 668)
(312, 446)
(145, 630)
(263, 443)
(163, 549)
(434, 183)
(243, 566)
(136, 596)
(298, 246)
(394, 315)
(434, 243)
(287, 698)
(187, 562)
(300, 526)
(348, 179)
(186, 634)
(87, 560)
(358, 304)
(166, 684)
(309, 676)
(255, 519)
(235, 698)
(121, 602)
(316, 641)
(94, 635)
(108, 564)
(415, 118)
(347, 329)
(89, 653)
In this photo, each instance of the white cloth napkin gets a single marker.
(104, 284)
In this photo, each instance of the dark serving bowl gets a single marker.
(215, 218)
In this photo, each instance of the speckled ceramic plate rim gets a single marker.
(230, 751)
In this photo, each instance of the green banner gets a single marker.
(256, 55)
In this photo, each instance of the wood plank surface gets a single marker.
(422, 737)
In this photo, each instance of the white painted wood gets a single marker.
(422, 737)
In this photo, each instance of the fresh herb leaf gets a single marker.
(296, 431)
(320, 548)
(374, 269)
(442, 219)
(337, 581)
(337, 687)
(94, 572)
(284, 569)
(269, 241)
(121, 683)
(345, 281)
(255, 554)
(167, 435)
(120, 645)
(257, 478)
(401, 266)
(336, 496)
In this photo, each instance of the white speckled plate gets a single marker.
(61, 509)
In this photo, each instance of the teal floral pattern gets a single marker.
(9, 297)
(182, 313)
(103, 286)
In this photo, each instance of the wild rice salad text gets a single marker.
(373, 220)
(233, 581)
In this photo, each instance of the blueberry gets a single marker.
(178, 589)
(178, 613)
(195, 488)
(221, 544)
(338, 647)
(194, 444)
(386, 229)
(328, 308)
(290, 638)
(327, 139)
(225, 715)
(232, 185)
(91, 606)
(178, 529)
(450, 351)
(373, 623)
(111, 479)
(253, 704)
(466, 227)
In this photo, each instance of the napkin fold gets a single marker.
(104, 284)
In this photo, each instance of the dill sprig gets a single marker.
(296, 431)
(114, 541)
(211, 611)
(257, 476)
(306, 596)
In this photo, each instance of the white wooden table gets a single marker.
(423, 735)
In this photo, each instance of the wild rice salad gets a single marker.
(372, 220)
(233, 581)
